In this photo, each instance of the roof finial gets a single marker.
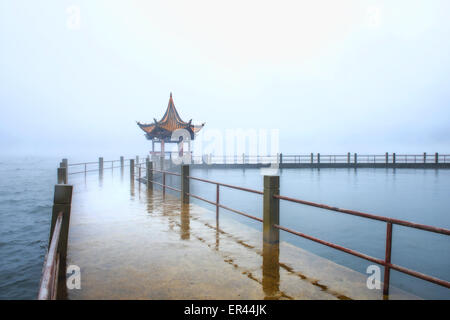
(171, 94)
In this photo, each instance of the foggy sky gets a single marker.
(332, 76)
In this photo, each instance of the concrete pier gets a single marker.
(131, 242)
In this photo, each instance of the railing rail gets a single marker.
(386, 262)
(52, 284)
(312, 158)
(49, 281)
(367, 215)
(349, 158)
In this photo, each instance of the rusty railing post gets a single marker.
(424, 157)
(184, 183)
(355, 158)
(387, 259)
(393, 158)
(312, 157)
(387, 158)
(61, 203)
(348, 157)
(217, 202)
(436, 158)
(271, 209)
(318, 158)
(164, 183)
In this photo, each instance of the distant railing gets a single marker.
(96, 166)
(271, 219)
(316, 158)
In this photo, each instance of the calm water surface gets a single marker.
(26, 191)
(26, 195)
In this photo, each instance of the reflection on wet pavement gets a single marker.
(134, 243)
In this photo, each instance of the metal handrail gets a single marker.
(167, 172)
(49, 282)
(387, 261)
(367, 215)
(390, 221)
(369, 258)
(226, 185)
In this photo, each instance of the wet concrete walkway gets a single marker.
(134, 243)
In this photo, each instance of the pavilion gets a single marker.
(161, 131)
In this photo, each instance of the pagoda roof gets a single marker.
(169, 122)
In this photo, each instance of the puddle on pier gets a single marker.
(134, 243)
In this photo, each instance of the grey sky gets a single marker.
(332, 76)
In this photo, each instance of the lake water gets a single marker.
(26, 192)
(26, 196)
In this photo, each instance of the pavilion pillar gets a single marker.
(162, 155)
(189, 150)
(180, 148)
